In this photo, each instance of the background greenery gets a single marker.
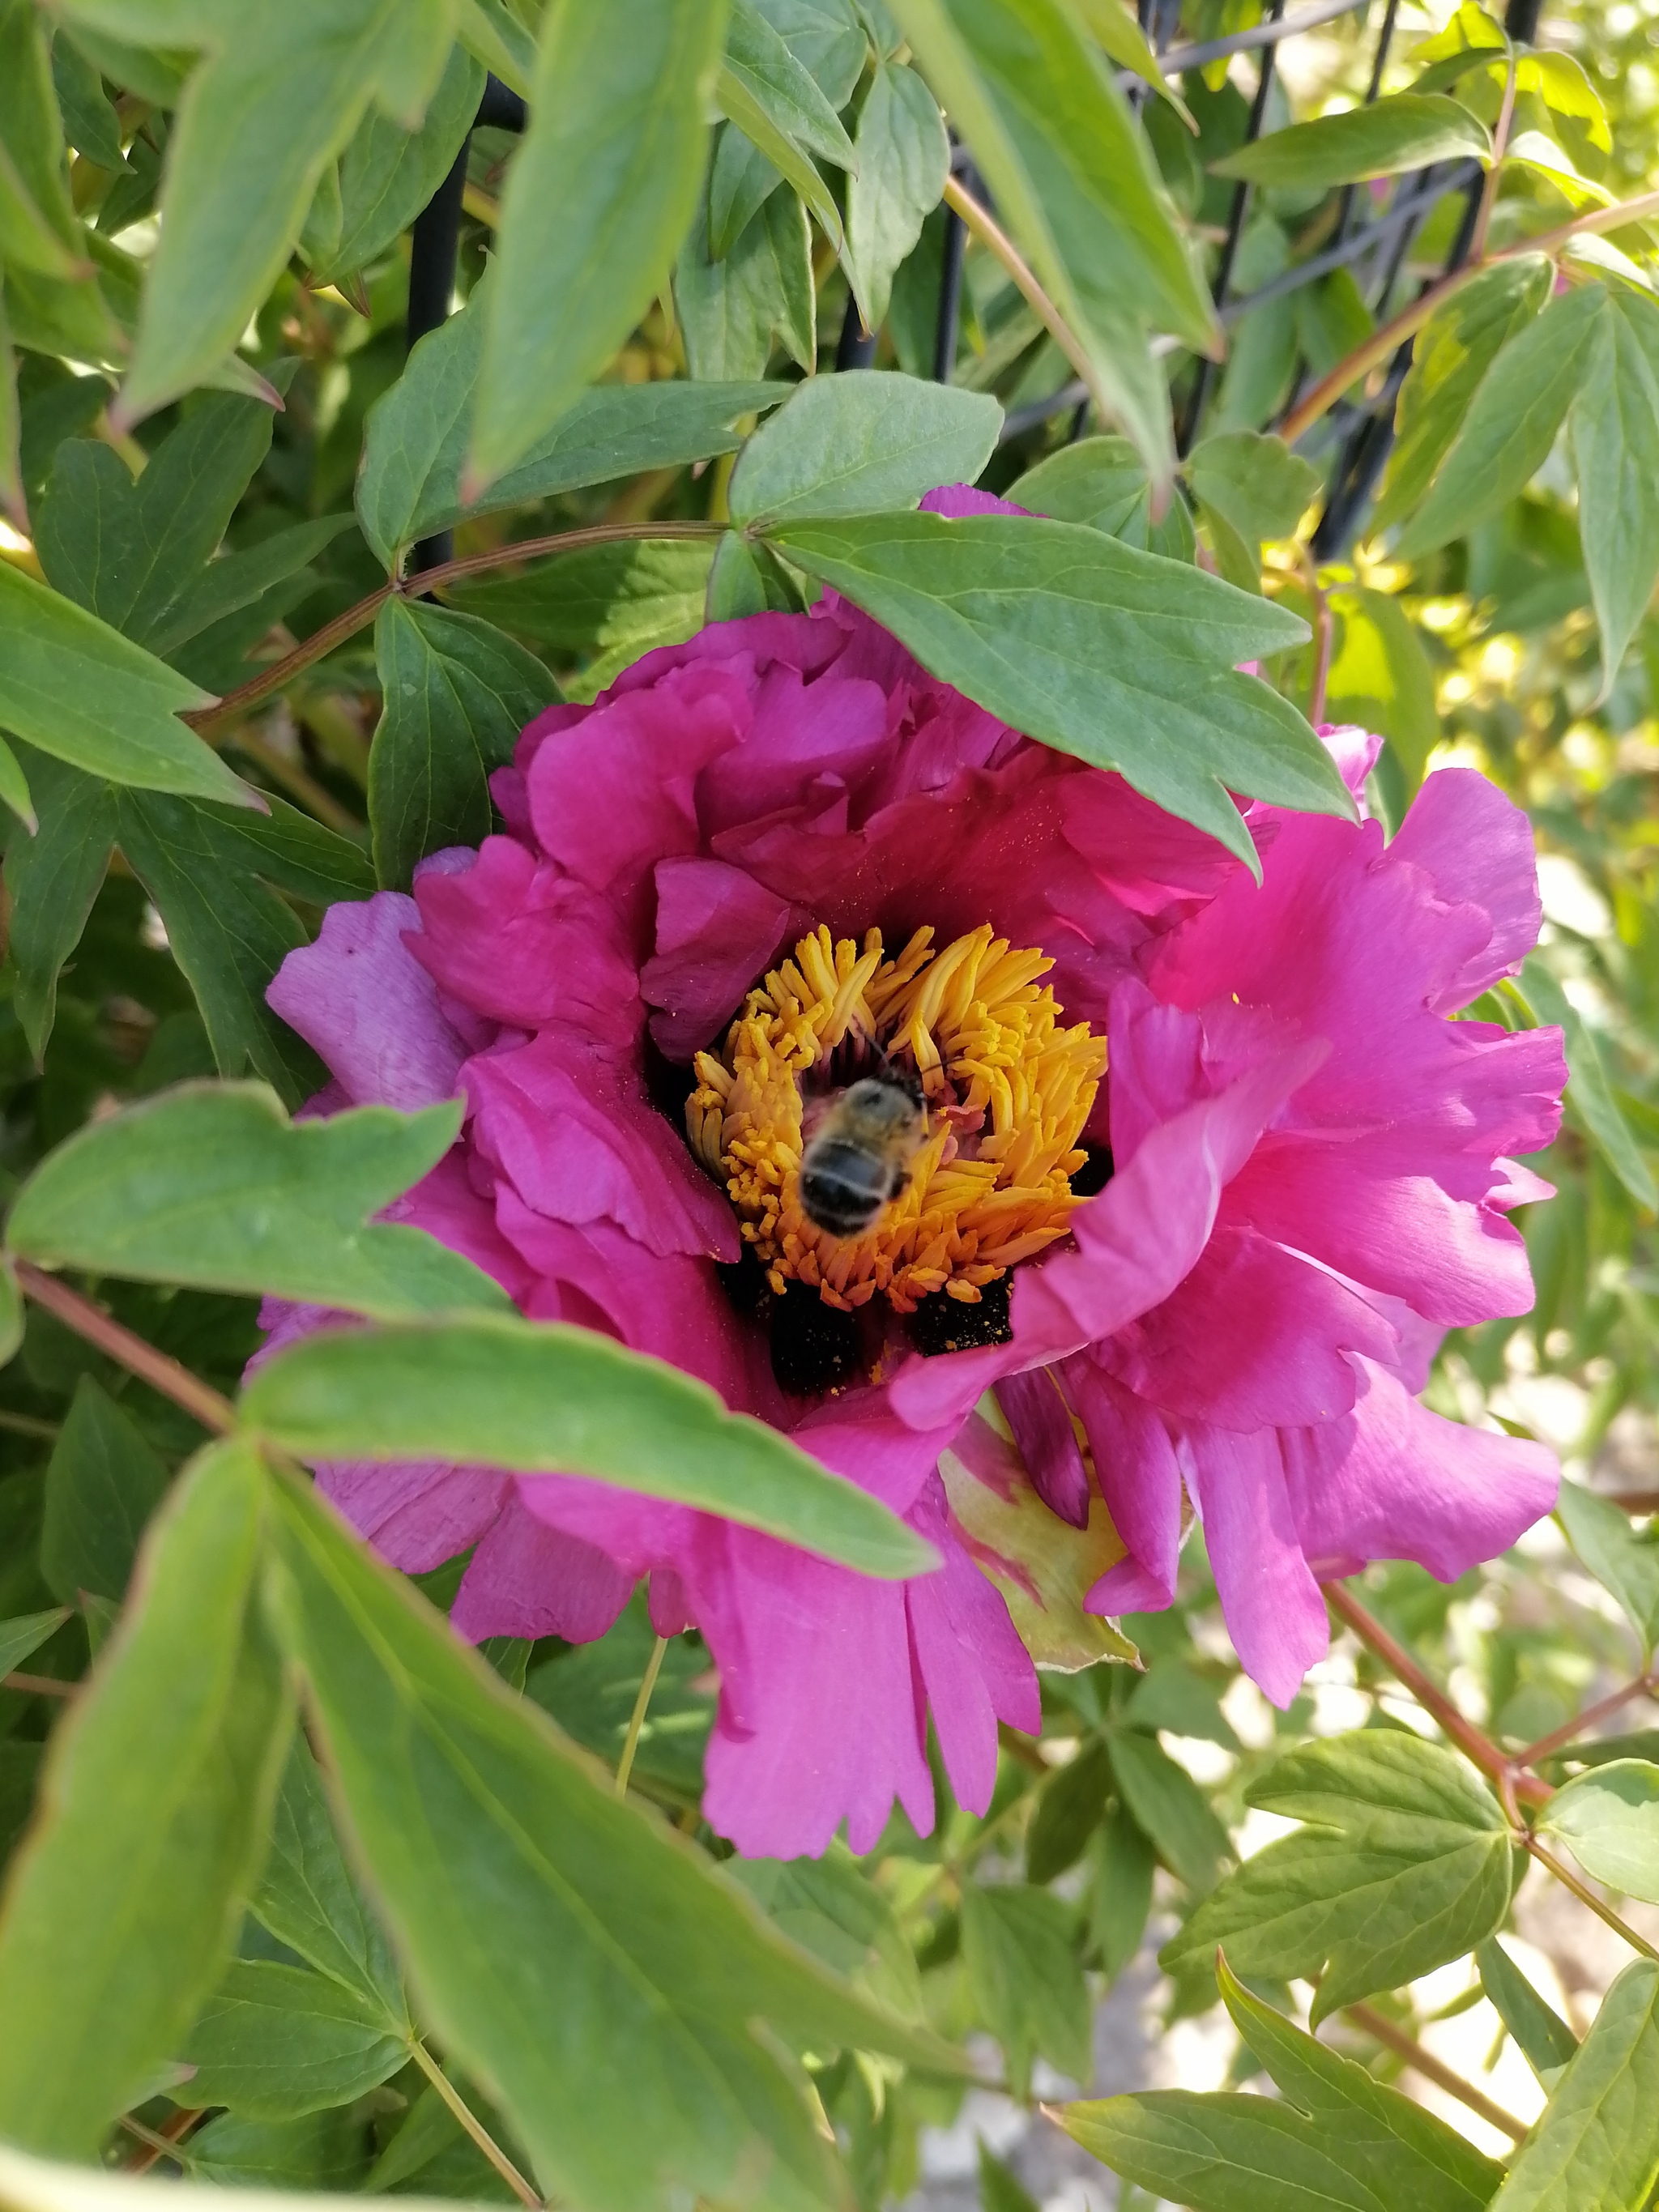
(470, 1970)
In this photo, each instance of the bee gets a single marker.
(857, 1160)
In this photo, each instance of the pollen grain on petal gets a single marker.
(1007, 1089)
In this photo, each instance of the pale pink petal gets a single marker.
(526, 1579)
(370, 1010)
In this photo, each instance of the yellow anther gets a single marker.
(1008, 1092)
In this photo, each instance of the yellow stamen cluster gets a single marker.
(1007, 1091)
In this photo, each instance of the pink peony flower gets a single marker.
(767, 859)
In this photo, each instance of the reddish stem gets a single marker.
(198, 1399)
(1424, 2063)
(39, 1686)
(237, 703)
(1489, 1757)
(1644, 1684)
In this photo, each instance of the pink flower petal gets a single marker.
(360, 1001)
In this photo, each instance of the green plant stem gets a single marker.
(1411, 2053)
(198, 1399)
(28, 1424)
(474, 2126)
(206, 719)
(1411, 319)
(986, 227)
(1566, 1877)
(1489, 1757)
(636, 1720)
(39, 1686)
(156, 2145)
(1500, 139)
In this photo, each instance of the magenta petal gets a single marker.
(1255, 1337)
(575, 1131)
(1140, 1481)
(358, 998)
(526, 1579)
(717, 930)
(973, 1669)
(1476, 845)
(415, 1513)
(831, 1720)
(1394, 1481)
(1042, 1422)
(518, 942)
(1272, 1604)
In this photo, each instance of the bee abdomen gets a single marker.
(844, 1189)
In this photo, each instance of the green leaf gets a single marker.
(241, 578)
(211, 1184)
(1042, 1566)
(415, 440)
(777, 105)
(38, 225)
(903, 159)
(1078, 640)
(1404, 1862)
(275, 98)
(1620, 1560)
(297, 2159)
(832, 1910)
(998, 2189)
(730, 309)
(1608, 1818)
(740, 181)
(1069, 1809)
(276, 2041)
(1589, 1091)
(11, 1313)
(1169, 1805)
(26, 1633)
(489, 29)
(455, 693)
(1511, 423)
(89, 121)
(1380, 676)
(103, 1482)
(1544, 2039)
(1406, 131)
(1614, 422)
(615, 143)
(1115, 27)
(1120, 1891)
(1019, 1948)
(832, 38)
(1103, 482)
(227, 933)
(1335, 2140)
(546, 1398)
(155, 1802)
(536, 1909)
(1170, 1695)
(864, 440)
(1074, 178)
(616, 599)
(387, 175)
(745, 578)
(1454, 349)
(79, 690)
(307, 1898)
(1260, 486)
(590, 1692)
(52, 878)
(1596, 2149)
(779, 81)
